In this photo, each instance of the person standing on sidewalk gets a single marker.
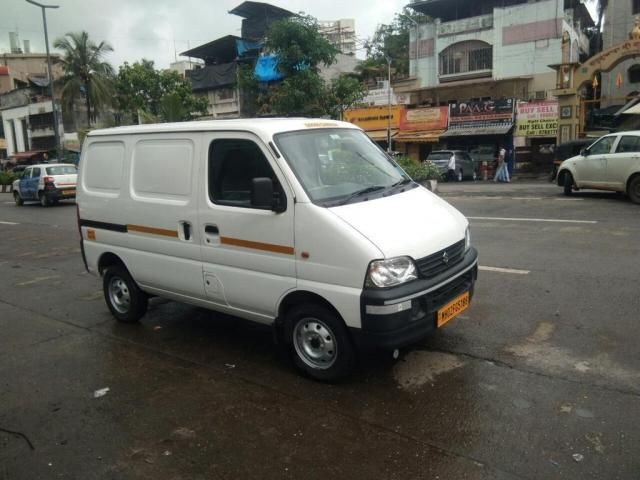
(451, 168)
(502, 173)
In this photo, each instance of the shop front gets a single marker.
(420, 131)
(481, 128)
(375, 121)
(535, 135)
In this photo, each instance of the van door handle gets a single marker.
(186, 230)
(211, 234)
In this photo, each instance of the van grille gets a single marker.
(434, 264)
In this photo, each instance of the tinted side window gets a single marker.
(628, 143)
(35, 173)
(233, 164)
(602, 146)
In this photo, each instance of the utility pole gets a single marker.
(388, 103)
(53, 102)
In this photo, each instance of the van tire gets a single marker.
(18, 199)
(568, 183)
(127, 302)
(321, 346)
(634, 189)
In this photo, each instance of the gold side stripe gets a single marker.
(268, 247)
(152, 230)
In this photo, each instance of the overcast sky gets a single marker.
(157, 29)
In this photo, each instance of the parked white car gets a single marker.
(46, 183)
(610, 163)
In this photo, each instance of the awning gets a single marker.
(491, 130)
(419, 137)
(26, 155)
(380, 135)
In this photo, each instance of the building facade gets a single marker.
(476, 55)
(623, 81)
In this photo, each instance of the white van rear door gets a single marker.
(248, 253)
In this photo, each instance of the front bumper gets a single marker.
(399, 316)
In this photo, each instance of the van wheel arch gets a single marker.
(109, 260)
(299, 298)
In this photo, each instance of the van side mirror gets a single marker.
(264, 197)
(584, 152)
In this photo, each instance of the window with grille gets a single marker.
(634, 73)
(466, 57)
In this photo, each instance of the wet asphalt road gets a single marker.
(539, 379)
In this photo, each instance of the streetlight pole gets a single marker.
(388, 103)
(46, 42)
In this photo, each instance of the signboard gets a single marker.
(485, 113)
(373, 118)
(537, 119)
(380, 96)
(424, 119)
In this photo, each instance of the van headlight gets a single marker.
(390, 272)
(467, 239)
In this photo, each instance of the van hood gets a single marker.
(415, 223)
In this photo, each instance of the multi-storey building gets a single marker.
(341, 33)
(26, 110)
(482, 59)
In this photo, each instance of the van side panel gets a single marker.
(138, 199)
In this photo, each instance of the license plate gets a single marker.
(453, 308)
(68, 192)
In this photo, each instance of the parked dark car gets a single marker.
(465, 166)
(567, 150)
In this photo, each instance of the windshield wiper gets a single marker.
(361, 192)
(404, 181)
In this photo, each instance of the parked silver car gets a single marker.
(465, 166)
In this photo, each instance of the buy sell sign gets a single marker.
(537, 119)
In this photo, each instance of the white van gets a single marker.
(305, 225)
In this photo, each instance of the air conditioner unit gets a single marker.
(486, 22)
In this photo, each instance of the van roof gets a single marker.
(263, 126)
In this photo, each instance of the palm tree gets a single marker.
(85, 72)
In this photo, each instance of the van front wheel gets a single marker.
(125, 300)
(320, 343)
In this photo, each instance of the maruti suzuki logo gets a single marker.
(445, 258)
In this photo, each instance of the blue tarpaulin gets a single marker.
(267, 69)
(243, 46)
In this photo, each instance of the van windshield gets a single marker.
(337, 166)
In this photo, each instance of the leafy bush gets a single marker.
(418, 171)
(7, 178)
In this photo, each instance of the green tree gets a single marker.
(391, 41)
(144, 92)
(301, 52)
(343, 93)
(85, 73)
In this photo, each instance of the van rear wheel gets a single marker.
(124, 298)
(17, 198)
(320, 343)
